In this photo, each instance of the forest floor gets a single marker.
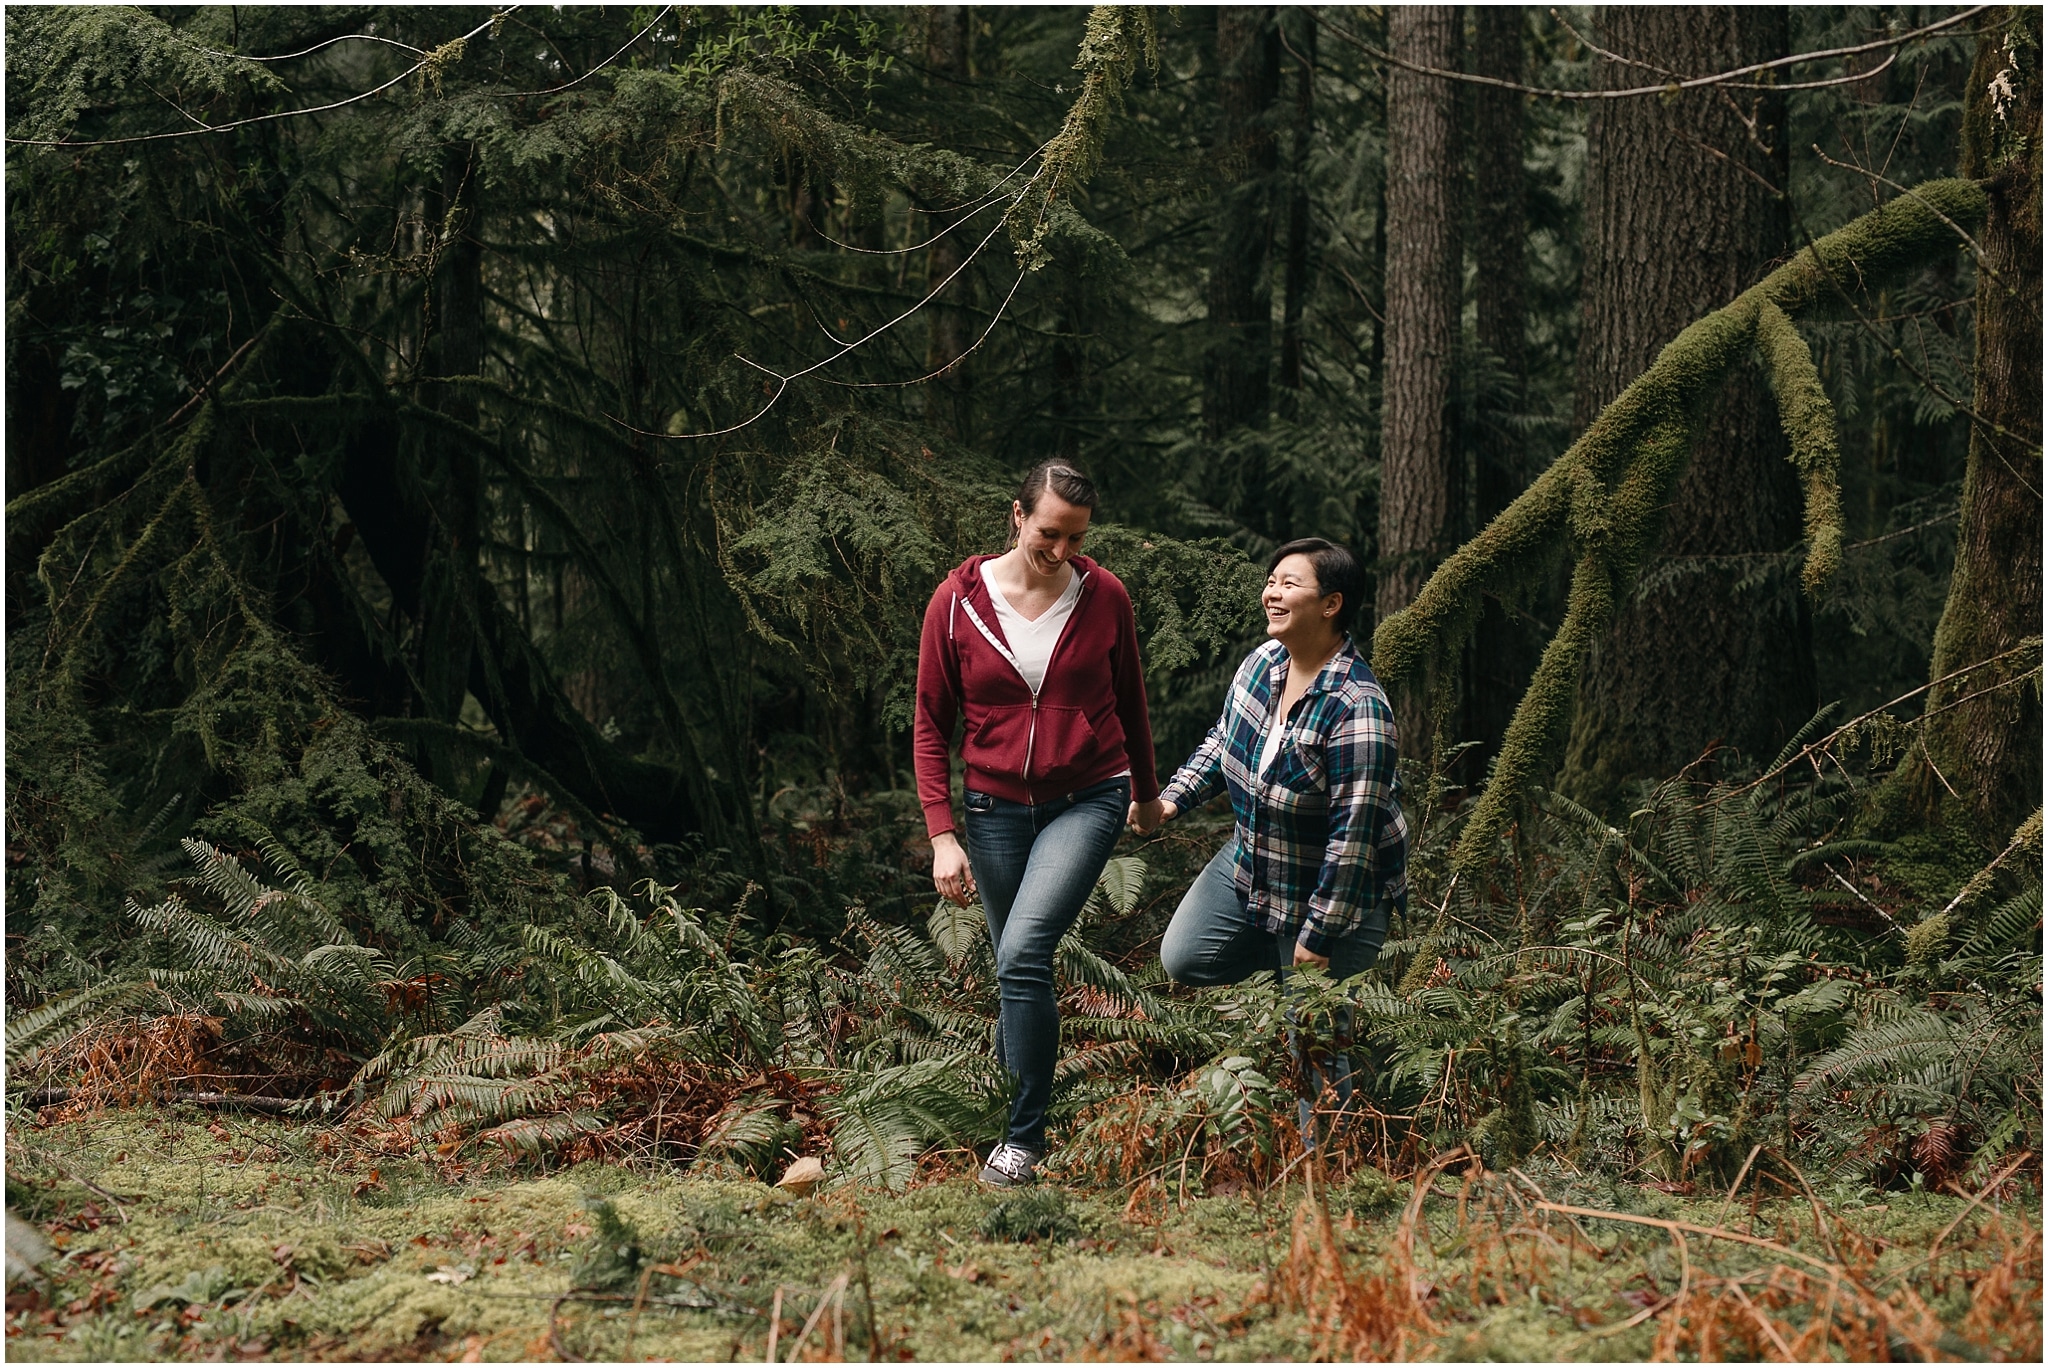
(182, 1235)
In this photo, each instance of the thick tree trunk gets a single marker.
(1983, 741)
(1302, 64)
(949, 37)
(1681, 216)
(1504, 649)
(1423, 290)
(1235, 389)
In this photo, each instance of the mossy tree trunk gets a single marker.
(1504, 647)
(1417, 523)
(1683, 212)
(1983, 737)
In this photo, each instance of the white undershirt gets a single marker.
(1275, 730)
(1032, 640)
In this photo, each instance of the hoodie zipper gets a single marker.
(1031, 736)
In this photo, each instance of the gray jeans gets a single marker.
(1212, 940)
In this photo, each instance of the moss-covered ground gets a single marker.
(178, 1234)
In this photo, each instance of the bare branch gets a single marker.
(1725, 78)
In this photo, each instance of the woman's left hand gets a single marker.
(1144, 818)
(1304, 955)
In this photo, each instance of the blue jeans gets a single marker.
(1035, 865)
(1213, 940)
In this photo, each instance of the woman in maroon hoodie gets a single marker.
(1037, 651)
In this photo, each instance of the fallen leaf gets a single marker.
(805, 1174)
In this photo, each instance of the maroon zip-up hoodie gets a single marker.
(1088, 722)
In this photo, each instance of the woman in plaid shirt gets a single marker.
(1305, 748)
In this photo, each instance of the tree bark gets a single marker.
(454, 337)
(949, 38)
(1983, 741)
(1302, 63)
(1235, 389)
(1505, 648)
(1423, 290)
(1683, 212)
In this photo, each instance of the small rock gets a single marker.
(805, 1174)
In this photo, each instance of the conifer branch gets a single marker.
(1116, 39)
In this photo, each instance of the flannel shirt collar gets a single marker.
(1336, 671)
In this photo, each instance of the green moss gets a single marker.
(1603, 501)
(1809, 422)
(299, 1263)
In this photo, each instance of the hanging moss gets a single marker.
(1809, 421)
(1603, 501)
(1117, 38)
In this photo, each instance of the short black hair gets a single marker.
(1338, 571)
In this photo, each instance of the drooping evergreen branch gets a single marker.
(1116, 39)
(1604, 500)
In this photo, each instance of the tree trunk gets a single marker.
(1423, 290)
(949, 36)
(1681, 216)
(1504, 648)
(509, 677)
(1983, 742)
(1302, 62)
(1235, 389)
(455, 346)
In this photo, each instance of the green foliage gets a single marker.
(1116, 39)
(1604, 497)
(611, 1261)
(300, 605)
(1036, 1214)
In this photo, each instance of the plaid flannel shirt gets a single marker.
(1322, 845)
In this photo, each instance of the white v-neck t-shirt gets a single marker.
(1032, 640)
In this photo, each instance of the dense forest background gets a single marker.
(473, 479)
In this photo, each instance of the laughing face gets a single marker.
(1296, 608)
(1050, 533)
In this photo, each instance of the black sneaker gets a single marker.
(1011, 1165)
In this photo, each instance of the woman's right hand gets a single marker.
(951, 874)
(1146, 818)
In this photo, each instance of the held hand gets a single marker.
(1304, 955)
(951, 874)
(1144, 818)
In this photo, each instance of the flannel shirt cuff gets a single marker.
(1316, 942)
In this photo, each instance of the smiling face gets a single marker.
(1049, 533)
(1296, 608)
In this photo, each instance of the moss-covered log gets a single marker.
(1603, 501)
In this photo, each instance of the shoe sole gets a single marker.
(994, 1178)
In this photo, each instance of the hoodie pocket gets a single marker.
(1065, 748)
(1001, 738)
